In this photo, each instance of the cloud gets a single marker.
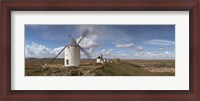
(155, 55)
(166, 52)
(106, 52)
(104, 34)
(148, 53)
(90, 41)
(161, 49)
(159, 42)
(40, 51)
(141, 53)
(129, 45)
(139, 48)
(35, 50)
(91, 51)
(56, 50)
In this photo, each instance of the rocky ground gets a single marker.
(37, 67)
(159, 67)
(70, 71)
(160, 70)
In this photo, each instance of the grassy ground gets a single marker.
(33, 71)
(124, 68)
(128, 69)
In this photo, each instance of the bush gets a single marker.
(117, 60)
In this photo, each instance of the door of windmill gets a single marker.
(67, 61)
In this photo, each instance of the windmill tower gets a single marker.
(72, 52)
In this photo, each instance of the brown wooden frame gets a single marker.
(99, 5)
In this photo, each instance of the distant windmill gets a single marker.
(72, 51)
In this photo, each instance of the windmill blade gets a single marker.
(85, 52)
(57, 54)
(83, 35)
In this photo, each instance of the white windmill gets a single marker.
(72, 52)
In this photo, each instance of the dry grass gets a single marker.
(35, 67)
(155, 65)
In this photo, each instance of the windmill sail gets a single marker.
(85, 52)
(83, 35)
(58, 54)
(72, 42)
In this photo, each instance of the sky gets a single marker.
(113, 41)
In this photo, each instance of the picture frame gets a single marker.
(8, 6)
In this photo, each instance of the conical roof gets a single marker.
(72, 42)
(98, 57)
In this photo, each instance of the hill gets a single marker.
(89, 68)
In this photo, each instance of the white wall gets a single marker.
(72, 53)
(98, 60)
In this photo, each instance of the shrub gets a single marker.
(117, 60)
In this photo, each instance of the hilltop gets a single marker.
(34, 67)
